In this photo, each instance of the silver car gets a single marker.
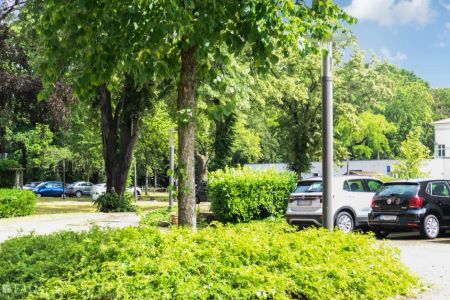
(79, 188)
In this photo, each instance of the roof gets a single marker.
(418, 180)
(445, 121)
(340, 178)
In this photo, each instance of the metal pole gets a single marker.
(64, 179)
(135, 180)
(172, 168)
(327, 135)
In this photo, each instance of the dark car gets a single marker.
(49, 189)
(79, 188)
(408, 205)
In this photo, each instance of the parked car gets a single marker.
(408, 205)
(100, 189)
(31, 185)
(79, 188)
(352, 197)
(49, 189)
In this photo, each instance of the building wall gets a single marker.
(442, 137)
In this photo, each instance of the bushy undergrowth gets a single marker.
(256, 260)
(156, 217)
(111, 202)
(14, 203)
(241, 195)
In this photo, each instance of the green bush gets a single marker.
(241, 195)
(14, 203)
(157, 216)
(111, 202)
(256, 260)
(7, 176)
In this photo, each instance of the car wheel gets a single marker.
(38, 195)
(429, 228)
(78, 194)
(345, 222)
(381, 234)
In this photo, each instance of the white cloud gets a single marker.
(447, 25)
(392, 58)
(445, 4)
(390, 12)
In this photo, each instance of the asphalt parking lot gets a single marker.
(430, 259)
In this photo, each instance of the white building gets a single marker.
(442, 139)
(438, 167)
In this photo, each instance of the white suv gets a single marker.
(352, 196)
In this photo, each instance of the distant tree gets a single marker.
(441, 106)
(412, 155)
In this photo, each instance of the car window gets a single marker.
(309, 187)
(355, 185)
(57, 185)
(439, 188)
(373, 185)
(400, 189)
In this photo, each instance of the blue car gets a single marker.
(49, 189)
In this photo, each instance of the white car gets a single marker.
(352, 196)
(100, 189)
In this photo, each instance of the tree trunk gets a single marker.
(202, 164)
(186, 105)
(120, 131)
(109, 130)
(146, 180)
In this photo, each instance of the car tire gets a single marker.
(38, 195)
(78, 194)
(381, 234)
(429, 229)
(345, 222)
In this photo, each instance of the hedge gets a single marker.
(242, 194)
(8, 176)
(256, 260)
(14, 203)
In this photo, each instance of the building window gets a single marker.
(441, 150)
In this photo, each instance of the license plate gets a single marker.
(387, 218)
(304, 203)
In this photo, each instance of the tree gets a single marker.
(106, 72)
(441, 107)
(293, 87)
(364, 136)
(202, 27)
(412, 155)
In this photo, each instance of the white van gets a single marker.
(352, 196)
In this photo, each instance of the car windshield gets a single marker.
(309, 187)
(398, 189)
(41, 185)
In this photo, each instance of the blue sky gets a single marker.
(413, 34)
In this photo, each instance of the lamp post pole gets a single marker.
(327, 134)
(172, 168)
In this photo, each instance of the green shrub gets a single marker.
(7, 176)
(14, 203)
(241, 195)
(256, 260)
(156, 217)
(111, 202)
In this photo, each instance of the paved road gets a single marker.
(46, 224)
(430, 259)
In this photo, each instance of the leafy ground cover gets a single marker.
(257, 260)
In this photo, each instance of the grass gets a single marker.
(56, 205)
